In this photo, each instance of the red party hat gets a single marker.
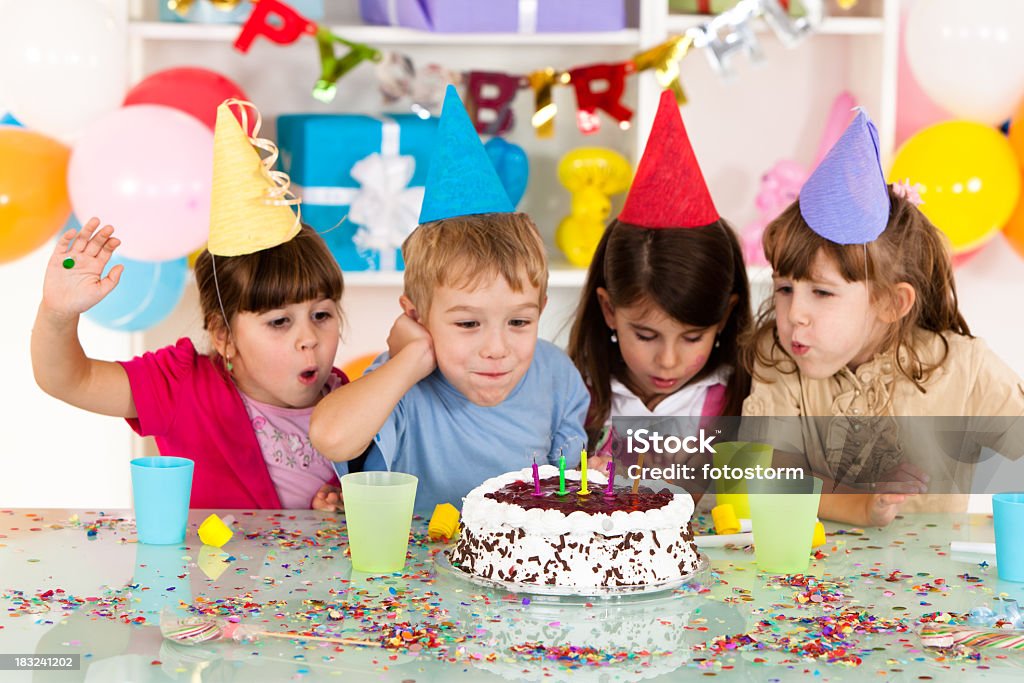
(669, 190)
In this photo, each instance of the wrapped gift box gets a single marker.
(321, 152)
(204, 12)
(497, 16)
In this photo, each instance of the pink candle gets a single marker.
(610, 490)
(536, 480)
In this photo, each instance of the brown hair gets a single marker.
(690, 273)
(910, 250)
(464, 249)
(301, 269)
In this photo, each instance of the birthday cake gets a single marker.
(603, 539)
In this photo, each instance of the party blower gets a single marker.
(202, 629)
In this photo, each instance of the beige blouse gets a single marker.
(857, 425)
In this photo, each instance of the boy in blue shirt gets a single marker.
(466, 391)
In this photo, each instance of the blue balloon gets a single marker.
(146, 294)
(9, 120)
(513, 167)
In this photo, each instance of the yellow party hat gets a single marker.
(250, 204)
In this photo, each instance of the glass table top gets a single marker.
(75, 582)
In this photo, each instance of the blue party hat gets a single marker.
(846, 200)
(461, 180)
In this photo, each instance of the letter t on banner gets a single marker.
(288, 26)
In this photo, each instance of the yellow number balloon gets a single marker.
(592, 175)
(969, 177)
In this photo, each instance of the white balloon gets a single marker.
(969, 56)
(62, 64)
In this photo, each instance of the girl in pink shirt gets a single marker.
(241, 412)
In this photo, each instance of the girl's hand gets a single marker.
(328, 499)
(410, 336)
(74, 280)
(882, 508)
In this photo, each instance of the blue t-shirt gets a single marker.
(453, 445)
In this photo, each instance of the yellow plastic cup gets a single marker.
(783, 513)
(738, 454)
(378, 513)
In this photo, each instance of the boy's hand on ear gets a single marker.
(328, 499)
(410, 337)
(74, 280)
(882, 508)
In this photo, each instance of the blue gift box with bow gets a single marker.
(360, 179)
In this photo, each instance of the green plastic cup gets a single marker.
(783, 514)
(740, 454)
(378, 512)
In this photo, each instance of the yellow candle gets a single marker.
(583, 473)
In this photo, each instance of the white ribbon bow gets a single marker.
(385, 207)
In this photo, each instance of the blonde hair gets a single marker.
(910, 250)
(462, 250)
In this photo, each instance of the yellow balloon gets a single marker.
(603, 169)
(969, 177)
(577, 237)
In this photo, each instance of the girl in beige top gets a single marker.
(860, 333)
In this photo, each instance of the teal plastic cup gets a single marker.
(1008, 517)
(161, 487)
(783, 514)
(378, 513)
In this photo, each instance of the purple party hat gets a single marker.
(846, 200)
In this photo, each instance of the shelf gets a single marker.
(849, 26)
(388, 35)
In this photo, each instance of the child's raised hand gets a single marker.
(408, 335)
(598, 462)
(74, 280)
(882, 508)
(328, 499)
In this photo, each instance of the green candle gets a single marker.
(561, 475)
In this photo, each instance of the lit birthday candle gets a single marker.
(583, 473)
(561, 475)
(536, 479)
(610, 489)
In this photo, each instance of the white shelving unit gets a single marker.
(857, 53)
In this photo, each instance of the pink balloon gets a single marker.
(915, 110)
(147, 171)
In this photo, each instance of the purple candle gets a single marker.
(536, 480)
(610, 490)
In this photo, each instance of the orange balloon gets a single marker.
(34, 202)
(1016, 135)
(355, 368)
(1014, 229)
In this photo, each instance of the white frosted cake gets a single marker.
(510, 534)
